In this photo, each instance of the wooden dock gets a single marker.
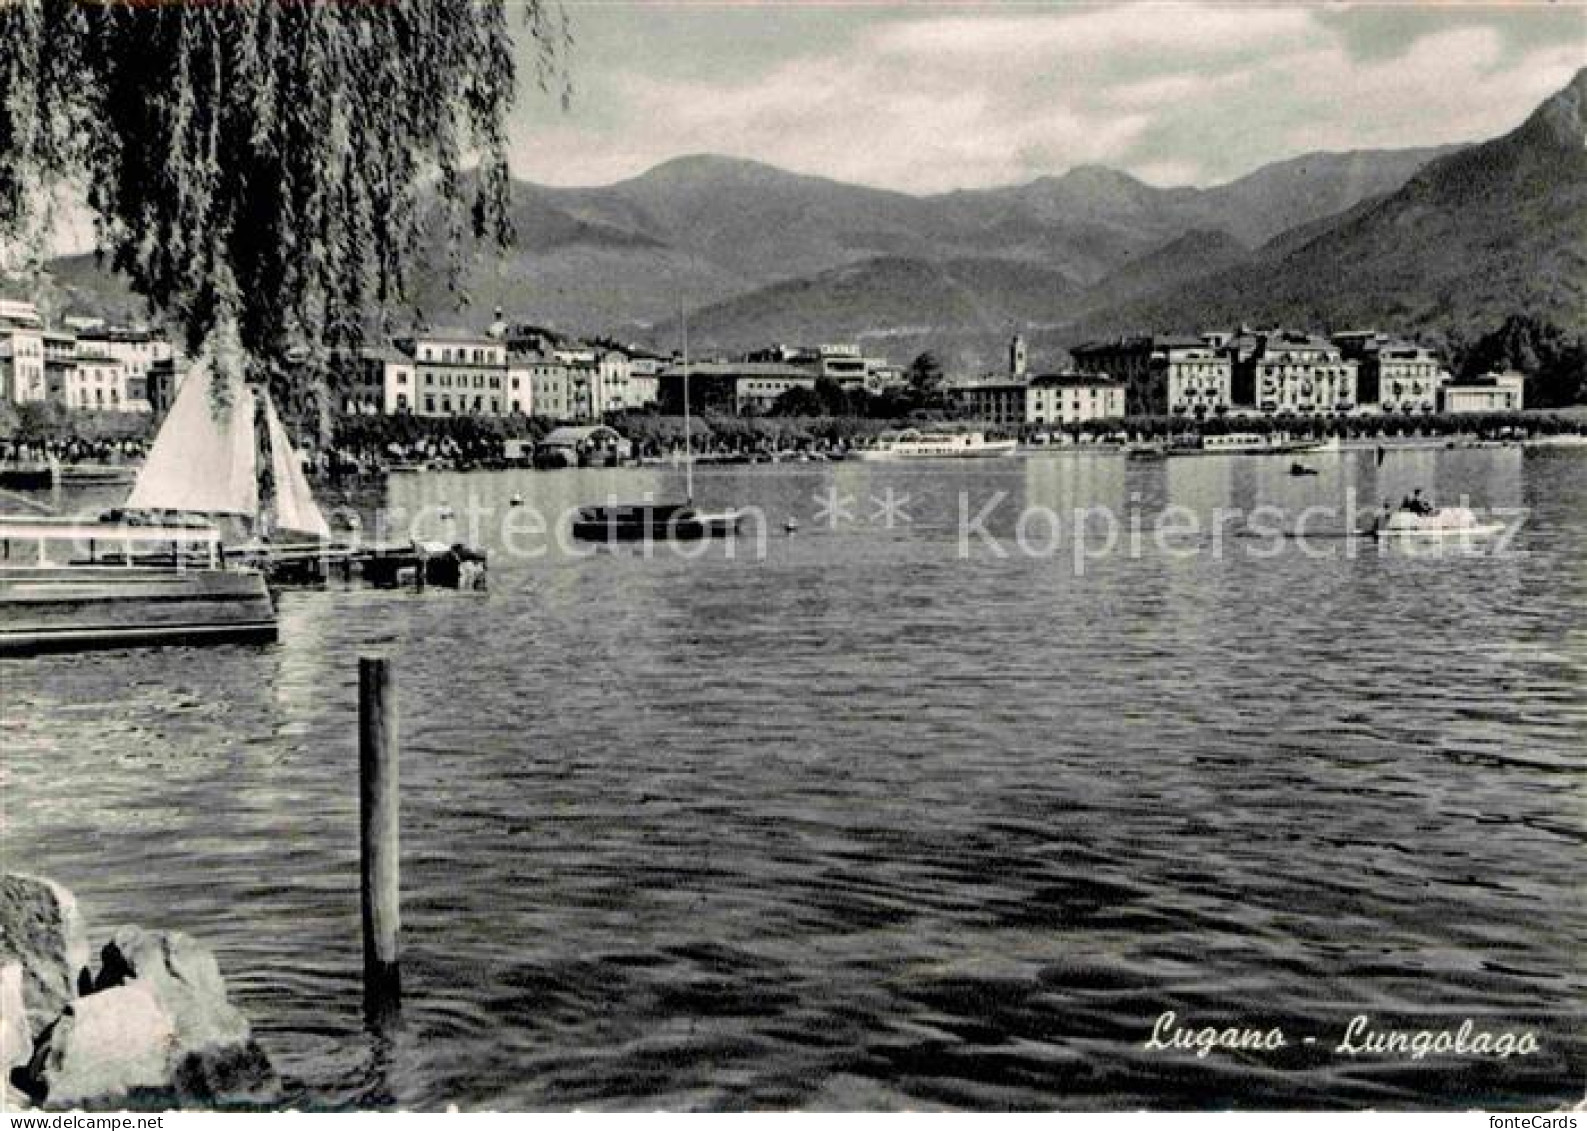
(388, 565)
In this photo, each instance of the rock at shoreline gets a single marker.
(214, 1058)
(16, 1038)
(103, 1047)
(184, 976)
(154, 1026)
(40, 927)
(230, 1076)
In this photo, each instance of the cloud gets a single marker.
(1038, 39)
(930, 99)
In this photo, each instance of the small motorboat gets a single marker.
(653, 522)
(1301, 469)
(1432, 522)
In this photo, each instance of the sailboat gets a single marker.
(645, 522)
(205, 467)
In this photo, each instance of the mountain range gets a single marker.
(1427, 239)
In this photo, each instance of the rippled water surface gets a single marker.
(877, 819)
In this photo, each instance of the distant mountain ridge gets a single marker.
(1490, 230)
(756, 252)
(728, 238)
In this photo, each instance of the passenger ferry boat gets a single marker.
(1239, 443)
(915, 444)
(67, 585)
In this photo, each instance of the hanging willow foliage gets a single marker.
(272, 162)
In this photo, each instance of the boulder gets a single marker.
(16, 1037)
(236, 1075)
(103, 1047)
(40, 927)
(215, 1059)
(184, 976)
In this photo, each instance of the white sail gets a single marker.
(204, 459)
(295, 508)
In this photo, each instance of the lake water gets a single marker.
(877, 819)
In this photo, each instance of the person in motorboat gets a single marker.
(1418, 505)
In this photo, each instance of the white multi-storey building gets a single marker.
(138, 349)
(21, 352)
(1291, 372)
(1395, 376)
(1072, 398)
(457, 373)
(93, 381)
(1194, 379)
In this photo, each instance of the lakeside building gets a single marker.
(550, 387)
(92, 381)
(520, 369)
(845, 363)
(995, 400)
(1293, 372)
(538, 372)
(1047, 398)
(1162, 375)
(1127, 360)
(456, 372)
(736, 387)
(1492, 392)
(1073, 398)
(81, 364)
(1265, 372)
(21, 352)
(1396, 376)
(383, 382)
(613, 389)
(136, 348)
(60, 367)
(1191, 378)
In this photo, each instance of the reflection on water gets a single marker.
(865, 823)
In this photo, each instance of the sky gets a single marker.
(929, 97)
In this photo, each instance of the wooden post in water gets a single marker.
(378, 828)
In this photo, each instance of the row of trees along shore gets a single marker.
(481, 439)
(40, 430)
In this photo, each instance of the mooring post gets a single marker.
(379, 851)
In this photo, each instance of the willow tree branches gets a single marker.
(271, 162)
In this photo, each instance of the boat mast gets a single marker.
(688, 444)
